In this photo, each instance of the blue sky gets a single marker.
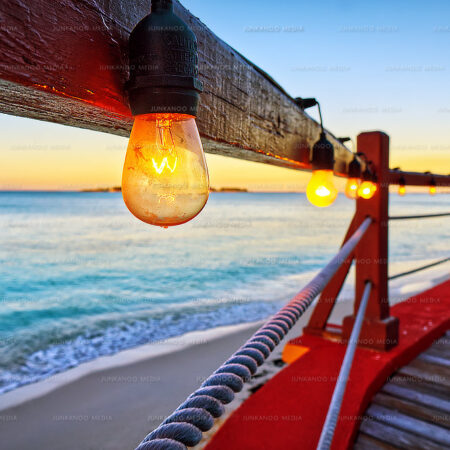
(372, 64)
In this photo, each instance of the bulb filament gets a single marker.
(164, 163)
(322, 191)
(165, 144)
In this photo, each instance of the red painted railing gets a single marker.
(366, 242)
(371, 254)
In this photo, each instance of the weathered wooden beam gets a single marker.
(66, 62)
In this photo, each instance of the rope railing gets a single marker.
(418, 269)
(326, 437)
(185, 427)
(422, 216)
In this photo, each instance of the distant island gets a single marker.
(228, 189)
(119, 189)
(109, 189)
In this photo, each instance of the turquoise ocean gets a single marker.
(81, 277)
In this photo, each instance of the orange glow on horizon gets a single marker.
(38, 155)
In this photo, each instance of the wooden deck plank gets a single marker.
(395, 437)
(441, 347)
(433, 359)
(366, 442)
(427, 376)
(412, 410)
(434, 433)
(416, 396)
(420, 385)
(428, 366)
(439, 352)
(424, 413)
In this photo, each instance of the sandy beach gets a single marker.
(115, 408)
(113, 402)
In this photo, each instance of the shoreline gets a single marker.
(33, 391)
(399, 290)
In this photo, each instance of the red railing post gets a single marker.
(380, 330)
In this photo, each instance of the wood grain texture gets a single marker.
(396, 438)
(412, 409)
(66, 62)
(424, 413)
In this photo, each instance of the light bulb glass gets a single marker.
(367, 190)
(351, 188)
(401, 190)
(165, 178)
(321, 190)
(432, 190)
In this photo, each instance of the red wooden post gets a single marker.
(380, 331)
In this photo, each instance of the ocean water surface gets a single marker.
(81, 278)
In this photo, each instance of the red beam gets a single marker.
(418, 179)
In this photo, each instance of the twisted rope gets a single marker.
(196, 415)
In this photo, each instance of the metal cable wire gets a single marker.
(418, 269)
(326, 437)
(196, 415)
(422, 216)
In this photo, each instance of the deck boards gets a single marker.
(412, 410)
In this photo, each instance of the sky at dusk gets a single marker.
(377, 65)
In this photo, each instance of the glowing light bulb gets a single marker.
(401, 190)
(321, 190)
(165, 178)
(432, 190)
(367, 190)
(351, 188)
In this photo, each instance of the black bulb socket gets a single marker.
(163, 64)
(368, 175)
(305, 103)
(354, 168)
(322, 156)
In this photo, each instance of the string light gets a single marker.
(321, 190)
(353, 181)
(368, 187)
(432, 187)
(165, 178)
(401, 187)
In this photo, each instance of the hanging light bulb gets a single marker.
(368, 187)
(165, 178)
(433, 187)
(321, 190)
(401, 187)
(351, 188)
(353, 181)
(367, 190)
